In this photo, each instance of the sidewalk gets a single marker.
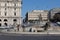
(46, 32)
(27, 32)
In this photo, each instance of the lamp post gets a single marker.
(40, 18)
(21, 23)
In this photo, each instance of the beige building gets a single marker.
(10, 12)
(37, 15)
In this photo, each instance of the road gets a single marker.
(5, 36)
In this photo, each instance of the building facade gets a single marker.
(37, 15)
(10, 12)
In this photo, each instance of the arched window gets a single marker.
(5, 19)
(15, 20)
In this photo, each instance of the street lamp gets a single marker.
(40, 18)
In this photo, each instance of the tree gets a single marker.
(56, 17)
(46, 26)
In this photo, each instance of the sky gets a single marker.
(29, 5)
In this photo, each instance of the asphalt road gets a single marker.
(5, 36)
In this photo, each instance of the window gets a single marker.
(7, 1)
(0, 4)
(0, 19)
(14, 13)
(5, 24)
(15, 20)
(14, 8)
(0, 24)
(0, 13)
(5, 19)
(5, 13)
(14, 4)
(5, 8)
(5, 4)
